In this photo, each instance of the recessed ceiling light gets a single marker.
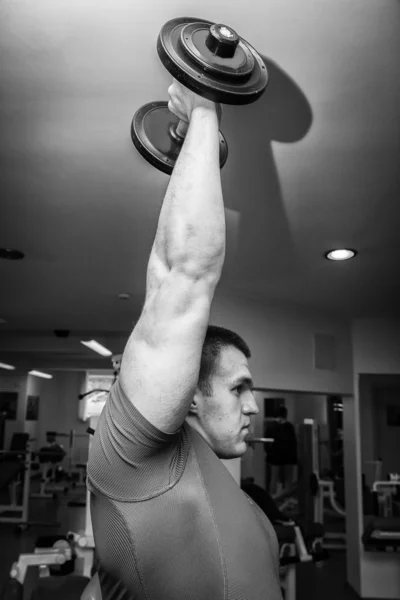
(93, 345)
(124, 296)
(40, 374)
(340, 254)
(6, 366)
(2, 321)
(11, 254)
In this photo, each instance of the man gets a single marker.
(282, 455)
(169, 521)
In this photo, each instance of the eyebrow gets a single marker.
(243, 379)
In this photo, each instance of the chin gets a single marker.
(236, 452)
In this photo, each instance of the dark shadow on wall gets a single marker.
(261, 249)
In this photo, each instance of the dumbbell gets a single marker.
(211, 60)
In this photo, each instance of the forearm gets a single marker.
(191, 227)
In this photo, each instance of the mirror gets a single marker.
(295, 453)
(380, 444)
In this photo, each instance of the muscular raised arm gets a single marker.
(161, 362)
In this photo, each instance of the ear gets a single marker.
(196, 403)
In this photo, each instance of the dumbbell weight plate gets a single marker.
(182, 49)
(150, 132)
(193, 40)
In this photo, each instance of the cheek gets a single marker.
(225, 412)
(230, 419)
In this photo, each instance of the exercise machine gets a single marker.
(299, 541)
(56, 577)
(48, 460)
(292, 551)
(322, 490)
(384, 494)
(374, 467)
(74, 468)
(318, 496)
(382, 535)
(15, 476)
(54, 479)
(85, 550)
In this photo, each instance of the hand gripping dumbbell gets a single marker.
(211, 60)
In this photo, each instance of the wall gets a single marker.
(376, 350)
(281, 342)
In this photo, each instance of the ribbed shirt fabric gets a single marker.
(169, 520)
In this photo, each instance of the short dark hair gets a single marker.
(282, 412)
(216, 339)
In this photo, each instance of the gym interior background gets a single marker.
(312, 166)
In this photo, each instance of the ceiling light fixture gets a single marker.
(11, 254)
(40, 374)
(340, 254)
(6, 366)
(96, 347)
(2, 321)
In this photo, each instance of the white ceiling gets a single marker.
(312, 165)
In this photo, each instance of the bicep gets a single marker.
(161, 362)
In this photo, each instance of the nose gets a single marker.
(250, 406)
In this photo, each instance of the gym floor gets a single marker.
(327, 582)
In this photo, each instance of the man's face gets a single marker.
(223, 416)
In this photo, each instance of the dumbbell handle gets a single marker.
(182, 128)
(178, 132)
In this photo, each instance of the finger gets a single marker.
(172, 108)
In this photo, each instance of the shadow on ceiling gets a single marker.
(261, 249)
